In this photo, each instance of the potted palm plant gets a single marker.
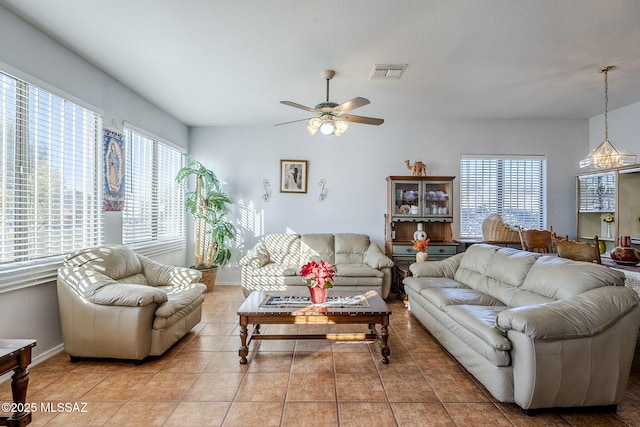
(207, 204)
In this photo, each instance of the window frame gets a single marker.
(33, 268)
(535, 188)
(155, 245)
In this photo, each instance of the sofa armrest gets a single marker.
(443, 268)
(167, 275)
(375, 258)
(256, 257)
(101, 289)
(584, 315)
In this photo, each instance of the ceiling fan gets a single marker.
(330, 117)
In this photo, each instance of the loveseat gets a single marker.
(115, 303)
(274, 263)
(537, 330)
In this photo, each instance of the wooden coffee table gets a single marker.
(15, 355)
(292, 307)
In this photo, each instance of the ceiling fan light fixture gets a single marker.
(327, 127)
(314, 125)
(331, 118)
(311, 130)
(341, 127)
(606, 155)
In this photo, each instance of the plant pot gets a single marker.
(318, 295)
(209, 277)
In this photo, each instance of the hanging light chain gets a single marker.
(606, 70)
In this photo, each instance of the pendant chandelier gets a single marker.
(605, 155)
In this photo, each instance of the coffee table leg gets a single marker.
(19, 382)
(384, 338)
(244, 350)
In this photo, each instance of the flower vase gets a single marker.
(420, 234)
(609, 236)
(421, 256)
(318, 294)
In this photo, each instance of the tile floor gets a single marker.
(199, 382)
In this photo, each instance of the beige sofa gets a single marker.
(540, 331)
(274, 263)
(115, 303)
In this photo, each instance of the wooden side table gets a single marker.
(401, 272)
(15, 355)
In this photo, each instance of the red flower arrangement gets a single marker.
(421, 245)
(318, 274)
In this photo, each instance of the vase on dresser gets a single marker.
(624, 254)
(421, 256)
(420, 234)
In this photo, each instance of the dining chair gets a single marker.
(580, 251)
(540, 241)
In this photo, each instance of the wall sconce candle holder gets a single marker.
(267, 194)
(323, 190)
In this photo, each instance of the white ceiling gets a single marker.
(215, 62)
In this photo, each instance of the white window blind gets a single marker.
(514, 187)
(50, 198)
(154, 209)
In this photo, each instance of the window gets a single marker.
(514, 187)
(153, 209)
(50, 196)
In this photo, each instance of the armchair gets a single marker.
(115, 303)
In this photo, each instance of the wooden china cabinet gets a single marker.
(413, 200)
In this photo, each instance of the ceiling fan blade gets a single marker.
(351, 104)
(293, 121)
(361, 119)
(296, 105)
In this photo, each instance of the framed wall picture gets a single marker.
(293, 176)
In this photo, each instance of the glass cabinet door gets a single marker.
(597, 193)
(407, 196)
(596, 206)
(437, 199)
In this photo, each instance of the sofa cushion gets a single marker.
(317, 247)
(179, 297)
(116, 261)
(481, 320)
(506, 272)
(474, 264)
(138, 279)
(127, 294)
(510, 266)
(357, 270)
(561, 278)
(351, 248)
(257, 257)
(283, 248)
(418, 283)
(182, 301)
(274, 270)
(443, 297)
(101, 289)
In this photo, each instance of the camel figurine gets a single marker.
(418, 168)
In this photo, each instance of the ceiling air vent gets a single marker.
(387, 71)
